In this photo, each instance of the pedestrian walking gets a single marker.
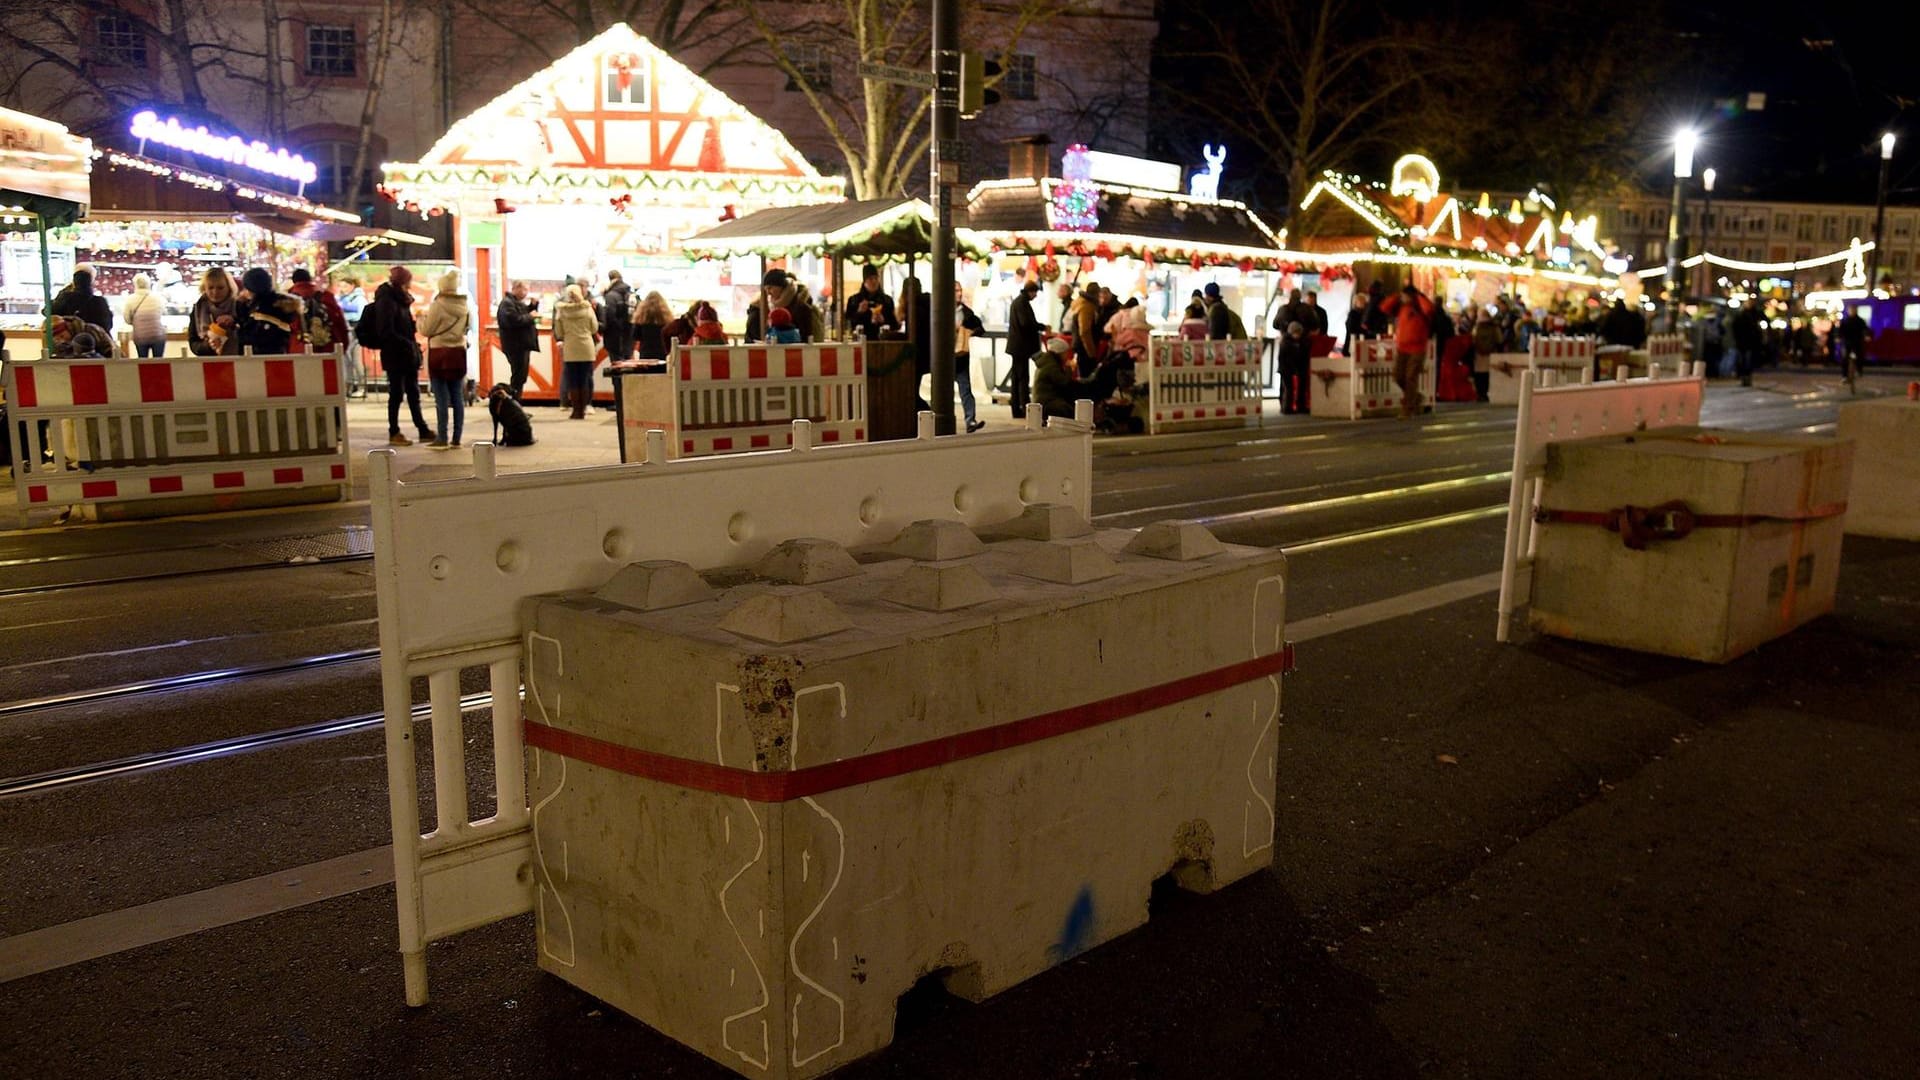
(1486, 341)
(616, 318)
(1318, 324)
(1294, 360)
(323, 314)
(516, 318)
(78, 300)
(212, 324)
(965, 325)
(1193, 325)
(146, 317)
(1023, 341)
(1749, 337)
(388, 326)
(577, 331)
(1413, 317)
(445, 327)
(352, 302)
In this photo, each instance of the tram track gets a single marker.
(187, 681)
(170, 575)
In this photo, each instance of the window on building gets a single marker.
(1656, 251)
(813, 63)
(1632, 219)
(1016, 80)
(1800, 254)
(1757, 224)
(333, 162)
(119, 42)
(1657, 219)
(330, 52)
(1830, 228)
(1899, 260)
(1902, 228)
(1853, 226)
(1777, 253)
(1753, 253)
(1805, 229)
(1782, 222)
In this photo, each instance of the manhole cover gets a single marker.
(342, 542)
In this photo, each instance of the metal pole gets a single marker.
(942, 180)
(1676, 288)
(1879, 223)
(1706, 239)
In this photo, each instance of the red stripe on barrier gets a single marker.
(280, 381)
(23, 384)
(37, 493)
(829, 435)
(229, 479)
(99, 489)
(796, 363)
(756, 363)
(156, 382)
(339, 472)
(758, 441)
(89, 382)
(218, 375)
(686, 367)
(289, 476)
(829, 362)
(886, 764)
(162, 485)
(723, 443)
(860, 434)
(859, 361)
(719, 366)
(331, 378)
(686, 446)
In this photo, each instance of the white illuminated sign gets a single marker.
(256, 155)
(1133, 171)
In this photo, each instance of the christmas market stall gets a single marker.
(606, 161)
(44, 172)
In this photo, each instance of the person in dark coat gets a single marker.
(269, 321)
(1294, 363)
(1619, 327)
(870, 310)
(1023, 341)
(1376, 320)
(780, 289)
(393, 328)
(616, 318)
(1749, 337)
(519, 334)
(80, 301)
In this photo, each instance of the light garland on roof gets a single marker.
(1331, 185)
(1762, 268)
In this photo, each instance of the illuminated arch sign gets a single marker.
(256, 155)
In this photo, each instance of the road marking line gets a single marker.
(39, 951)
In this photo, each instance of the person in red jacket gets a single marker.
(1412, 316)
(304, 288)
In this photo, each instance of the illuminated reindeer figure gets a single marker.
(1206, 185)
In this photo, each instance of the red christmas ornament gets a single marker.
(1246, 266)
(1033, 268)
(1049, 249)
(1194, 261)
(1148, 255)
(1104, 250)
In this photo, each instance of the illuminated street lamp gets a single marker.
(1706, 228)
(1880, 212)
(1684, 142)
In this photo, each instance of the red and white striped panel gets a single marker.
(1662, 347)
(1179, 353)
(213, 478)
(66, 384)
(772, 437)
(1556, 347)
(1202, 412)
(734, 363)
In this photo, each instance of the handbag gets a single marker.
(447, 361)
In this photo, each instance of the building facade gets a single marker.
(1764, 232)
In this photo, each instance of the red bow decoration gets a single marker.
(1194, 261)
(1049, 249)
(623, 64)
(1104, 250)
(1086, 265)
(1246, 266)
(1148, 255)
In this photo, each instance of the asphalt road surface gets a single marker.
(1540, 859)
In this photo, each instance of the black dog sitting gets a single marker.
(508, 414)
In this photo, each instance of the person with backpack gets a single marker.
(616, 319)
(1223, 323)
(326, 327)
(1413, 328)
(387, 325)
(270, 322)
(146, 317)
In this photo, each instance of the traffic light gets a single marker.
(976, 72)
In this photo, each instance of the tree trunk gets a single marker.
(180, 49)
(276, 76)
(376, 80)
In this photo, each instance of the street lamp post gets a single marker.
(1706, 229)
(1684, 141)
(1880, 213)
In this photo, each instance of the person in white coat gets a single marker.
(145, 313)
(445, 327)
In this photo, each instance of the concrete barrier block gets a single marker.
(1070, 562)
(655, 584)
(786, 614)
(806, 561)
(1885, 497)
(756, 848)
(1045, 521)
(1765, 560)
(937, 541)
(940, 587)
(1180, 541)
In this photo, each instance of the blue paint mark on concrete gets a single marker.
(1077, 931)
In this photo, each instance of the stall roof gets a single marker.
(878, 230)
(1020, 215)
(328, 232)
(44, 170)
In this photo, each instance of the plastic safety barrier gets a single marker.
(1562, 359)
(454, 559)
(729, 399)
(103, 431)
(1549, 414)
(1669, 351)
(1360, 384)
(1192, 385)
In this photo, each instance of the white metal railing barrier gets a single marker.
(1550, 414)
(454, 559)
(1200, 384)
(87, 432)
(1667, 352)
(1360, 384)
(728, 399)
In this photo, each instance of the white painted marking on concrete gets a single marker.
(130, 928)
(54, 947)
(539, 852)
(793, 944)
(766, 1039)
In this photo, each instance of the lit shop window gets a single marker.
(330, 52)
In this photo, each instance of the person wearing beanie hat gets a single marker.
(445, 327)
(706, 326)
(327, 323)
(778, 289)
(392, 332)
(146, 318)
(269, 322)
(80, 301)
(783, 332)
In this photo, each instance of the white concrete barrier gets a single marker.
(130, 436)
(1192, 385)
(1581, 410)
(1885, 498)
(1360, 384)
(729, 399)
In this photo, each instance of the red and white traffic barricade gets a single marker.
(1550, 414)
(729, 399)
(240, 430)
(1360, 384)
(1667, 355)
(1200, 384)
